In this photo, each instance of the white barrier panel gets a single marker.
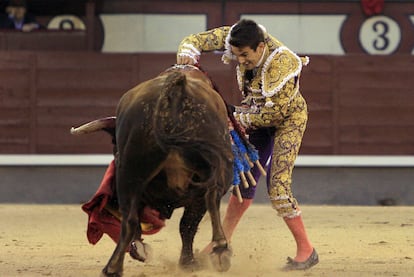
(354, 161)
(302, 160)
(55, 160)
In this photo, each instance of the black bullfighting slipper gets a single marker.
(293, 265)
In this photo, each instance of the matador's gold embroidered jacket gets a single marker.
(274, 90)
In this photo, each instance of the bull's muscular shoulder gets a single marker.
(150, 89)
(211, 97)
(219, 104)
(140, 92)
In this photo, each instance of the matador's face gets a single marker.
(247, 56)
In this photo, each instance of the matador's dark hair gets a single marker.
(246, 33)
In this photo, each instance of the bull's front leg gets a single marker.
(114, 267)
(221, 255)
(188, 227)
(138, 249)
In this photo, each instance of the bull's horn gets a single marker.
(95, 125)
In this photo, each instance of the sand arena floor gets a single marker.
(50, 240)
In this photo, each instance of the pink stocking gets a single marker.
(304, 247)
(235, 211)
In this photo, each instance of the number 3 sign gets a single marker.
(380, 35)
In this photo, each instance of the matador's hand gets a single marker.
(185, 60)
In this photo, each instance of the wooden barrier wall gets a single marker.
(395, 17)
(358, 104)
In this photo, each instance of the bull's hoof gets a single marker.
(202, 259)
(220, 258)
(140, 251)
(105, 273)
(190, 265)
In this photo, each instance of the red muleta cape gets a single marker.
(101, 221)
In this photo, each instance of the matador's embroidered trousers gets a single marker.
(282, 145)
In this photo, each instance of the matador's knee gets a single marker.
(286, 206)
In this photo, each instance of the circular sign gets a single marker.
(380, 35)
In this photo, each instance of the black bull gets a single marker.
(172, 150)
